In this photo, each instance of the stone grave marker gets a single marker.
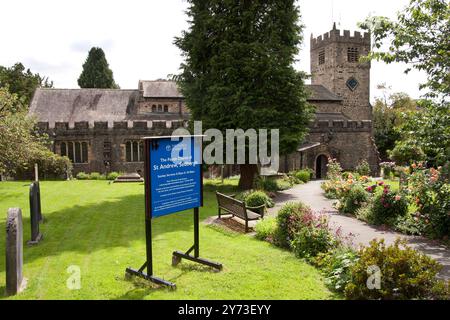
(35, 216)
(15, 282)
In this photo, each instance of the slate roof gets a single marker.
(320, 93)
(159, 89)
(73, 105)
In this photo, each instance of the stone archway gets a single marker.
(321, 166)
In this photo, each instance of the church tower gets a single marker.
(335, 65)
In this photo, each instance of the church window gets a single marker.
(76, 151)
(166, 108)
(154, 108)
(160, 109)
(322, 56)
(352, 55)
(352, 83)
(134, 151)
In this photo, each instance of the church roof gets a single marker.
(159, 89)
(320, 93)
(74, 105)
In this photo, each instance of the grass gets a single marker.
(99, 227)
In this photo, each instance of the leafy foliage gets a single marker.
(387, 206)
(419, 37)
(354, 199)
(406, 152)
(426, 134)
(405, 273)
(265, 229)
(336, 266)
(363, 168)
(430, 190)
(112, 175)
(303, 175)
(22, 82)
(96, 72)
(21, 145)
(313, 239)
(289, 222)
(238, 70)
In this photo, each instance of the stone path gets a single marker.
(312, 195)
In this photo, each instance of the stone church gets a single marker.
(100, 129)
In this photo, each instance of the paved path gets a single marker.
(312, 195)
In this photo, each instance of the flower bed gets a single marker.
(374, 272)
(420, 207)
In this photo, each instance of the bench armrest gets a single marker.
(259, 209)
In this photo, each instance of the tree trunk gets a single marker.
(248, 173)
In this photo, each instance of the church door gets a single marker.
(321, 167)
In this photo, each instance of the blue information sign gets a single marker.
(175, 175)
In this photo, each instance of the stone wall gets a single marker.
(103, 137)
(348, 141)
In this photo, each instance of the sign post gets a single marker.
(173, 183)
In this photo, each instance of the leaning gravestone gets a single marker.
(14, 252)
(35, 216)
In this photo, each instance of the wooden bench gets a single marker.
(238, 208)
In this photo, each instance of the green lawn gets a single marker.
(100, 228)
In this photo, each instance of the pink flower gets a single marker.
(397, 198)
(381, 183)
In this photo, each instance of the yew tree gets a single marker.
(96, 72)
(238, 70)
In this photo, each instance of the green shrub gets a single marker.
(387, 206)
(363, 168)
(404, 273)
(82, 176)
(311, 240)
(112, 175)
(283, 184)
(336, 266)
(265, 229)
(258, 198)
(365, 213)
(354, 199)
(289, 222)
(267, 184)
(97, 176)
(409, 225)
(303, 175)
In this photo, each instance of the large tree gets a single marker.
(22, 81)
(420, 37)
(21, 145)
(388, 115)
(238, 70)
(96, 72)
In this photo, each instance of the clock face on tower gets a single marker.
(352, 83)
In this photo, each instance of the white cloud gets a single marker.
(52, 37)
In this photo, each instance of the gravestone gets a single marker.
(35, 215)
(14, 252)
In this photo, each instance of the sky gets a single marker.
(52, 37)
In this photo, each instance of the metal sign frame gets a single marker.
(152, 143)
